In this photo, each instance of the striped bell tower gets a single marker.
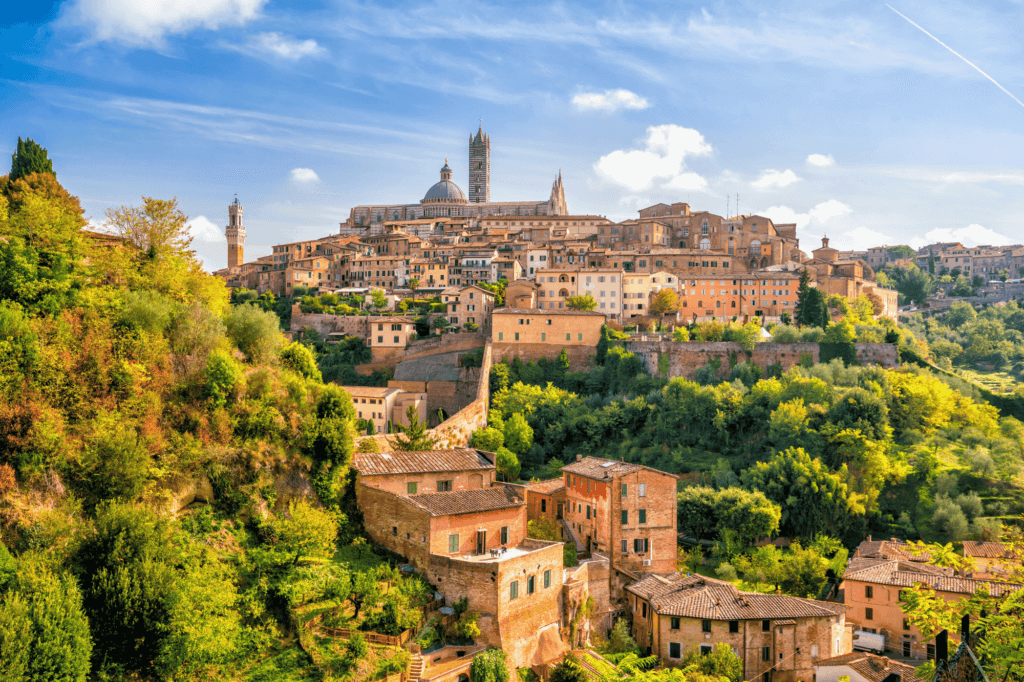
(479, 167)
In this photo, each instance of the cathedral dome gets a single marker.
(445, 191)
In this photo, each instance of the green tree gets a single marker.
(489, 666)
(255, 331)
(489, 439)
(440, 323)
(413, 284)
(29, 158)
(801, 311)
(621, 641)
(585, 302)
(301, 360)
(379, 299)
(901, 252)
(813, 498)
(842, 331)
(157, 228)
(680, 334)
(959, 314)
(518, 434)
(414, 436)
(507, 464)
(750, 515)
(695, 509)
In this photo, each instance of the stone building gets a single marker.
(624, 511)
(468, 305)
(446, 199)
(554, 286)
(991, 559)
(389, 336)
(872, 588)
(468, 537)
(775, 636)
(386, 406)
(859, 666)
(848, 278)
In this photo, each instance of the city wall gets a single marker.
(579, 356)
(685, 358)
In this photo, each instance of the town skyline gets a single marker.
(828, 119)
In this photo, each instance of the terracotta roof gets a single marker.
(989, 550)
(900, 573)
(538, 311)
(552, 485)
(399, 462)
(466, 501)
(872, 667)
(890, 549)
(595, 467)
(696, 596)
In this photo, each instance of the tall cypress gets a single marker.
(803, 313)
(29, 158)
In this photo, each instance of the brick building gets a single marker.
(469, 304)
(992, 559)
(776, 637)
(860, 666)
(562, 328)
(410, 473)
(624, 511)
(386, 406)
(389, 336)
(872, 588)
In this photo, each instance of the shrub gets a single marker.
(147, 310)
(222, 375)
(489, 666)
(299, 359)
(255, 331)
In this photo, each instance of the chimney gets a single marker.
(579, 457)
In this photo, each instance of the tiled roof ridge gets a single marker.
(449, 503)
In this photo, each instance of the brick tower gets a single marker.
(479, 167)
(236, 235)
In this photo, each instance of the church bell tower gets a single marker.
(235, 233)
(479, 167)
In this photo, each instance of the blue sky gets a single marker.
(842, 116)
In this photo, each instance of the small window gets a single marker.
(513, 590)
(766, 626)
(547, 578)
(674, 650)
(579, 337)
(642, 490)
(869, 591)
(444, 486)
(625, 517)
(517, 336)
(625, 546)
(410, 488)
(644, 609)
(501, 336)
(531, 585)
(643, 515)
(588, 511)
(705, 626)
(504, 535)
(394, 530)
(869, 614)
(674, 624)
(734, 626)
(543, 505)
(766, 653)
(906, 624)
(705, 649)
(623, 490)
(453, 543)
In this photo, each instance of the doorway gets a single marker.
(481, 541)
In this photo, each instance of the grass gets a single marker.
(997, 382)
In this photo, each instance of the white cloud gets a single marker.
(821, 160)
(861, 238)
(664, 155)
(304, 175)
(821, 213)
(688, 182)
(610, 100)
(955, 177)
(972, 235)
(283, 47)
(147, 23)
(203, 230)
(774, 178)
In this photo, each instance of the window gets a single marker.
(410, 488)
(444, 486)
(625, 517)
(568, 336)
(547, 578)
(705, 649)
(766, 626)
(623, 490)
(517, 336)
(543, 505)
(579, 337)
(906, 624)
(734, 626)
(394, 530)
(588, 511)
(644, 609)
(869, 614)
(869, 591)
(504, 535)
(641, 545)
(513, 590)
(543, 336)
(930, 652)
(531, 584)
(501, 336)
(643, 516)
(766, 653)
(625, 547)
(453, 543)
(643, 490)
(674, 650)
(674, 624)
(705, 626)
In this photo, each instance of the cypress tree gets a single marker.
(29, 158)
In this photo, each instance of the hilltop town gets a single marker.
(463, 440)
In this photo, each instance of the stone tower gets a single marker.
(236, 235)
(479, 167)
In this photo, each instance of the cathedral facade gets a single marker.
(445, 198)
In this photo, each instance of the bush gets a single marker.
(621, 641)
(299, 359)
(255, 331)
(147, 310)
(222, 376)
(489, 666)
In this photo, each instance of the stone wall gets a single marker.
(685, 358)
(352, 325)
(455, 431)
(579, 356)
(592, 578)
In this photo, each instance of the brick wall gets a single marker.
(467, 525)
(384, 511)
(579, 356)
(687, 357)
(353, 325)
(427, 483)
(590, 579)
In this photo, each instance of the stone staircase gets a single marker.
(415, 668)
(571, 535)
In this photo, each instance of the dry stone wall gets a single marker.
(685, 358)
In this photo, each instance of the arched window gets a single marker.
(682, 244)
(705, 244)
(764, 262)
(563, 293)
(755, 248)
(732, 246)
